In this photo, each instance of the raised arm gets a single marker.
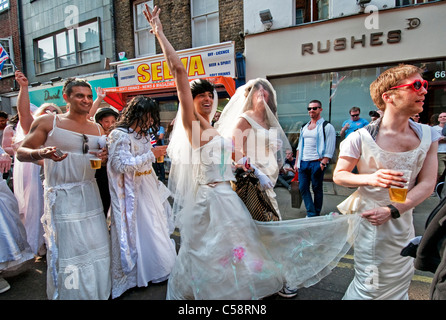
(176, 67)
(96, 103)
(23, 102)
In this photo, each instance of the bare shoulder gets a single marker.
(242, 124)
(44, 122)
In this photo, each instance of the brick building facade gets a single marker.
(176, 18)
(9, 28)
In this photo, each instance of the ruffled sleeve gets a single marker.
(121, 158)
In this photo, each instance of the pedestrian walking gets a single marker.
(317, 142)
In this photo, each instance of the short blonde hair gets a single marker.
(390, 78)
(41, 110)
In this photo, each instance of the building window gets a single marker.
(205, 24)
(144, 40)
(312, 10)
(7, 69)
(300, 15)
(322, 9)
(69, 48)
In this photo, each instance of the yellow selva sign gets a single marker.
(203, 62)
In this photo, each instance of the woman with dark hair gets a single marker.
(142, 250)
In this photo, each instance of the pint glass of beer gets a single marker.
(95, 163)
(397, 194)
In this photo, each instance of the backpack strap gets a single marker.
(324, 124)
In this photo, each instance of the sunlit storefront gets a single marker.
(336, 60)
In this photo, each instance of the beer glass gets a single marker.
(398, 194)
(95, 162)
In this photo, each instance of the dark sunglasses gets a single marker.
(312, 108)
(416, 85)
(355, 115)
(85, 146)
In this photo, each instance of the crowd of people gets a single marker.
(107, 229)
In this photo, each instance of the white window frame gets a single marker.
(205, 15)
(8, 68)
(146, 30)
(323, 6)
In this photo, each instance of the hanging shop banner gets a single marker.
(53, 92)
(152, 72)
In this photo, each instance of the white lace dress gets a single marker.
(380, 271)
(224, 254)
(142, 250)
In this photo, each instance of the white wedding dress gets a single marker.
(14, 249)
(225, 254)
(380, 271)
(142, 250)
(76, 232)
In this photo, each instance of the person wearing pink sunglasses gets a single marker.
(380, 151)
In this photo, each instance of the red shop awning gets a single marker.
(117, 96)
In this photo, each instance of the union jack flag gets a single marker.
(4, 56)
(153, 140)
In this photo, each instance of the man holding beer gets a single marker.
(382, 151)
(76, 232)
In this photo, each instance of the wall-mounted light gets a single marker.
(266, 18)
(35, 84)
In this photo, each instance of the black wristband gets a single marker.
(394, 212)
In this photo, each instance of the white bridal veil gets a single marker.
(181, 182)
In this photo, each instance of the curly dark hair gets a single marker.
(74, 82)
(139, 111)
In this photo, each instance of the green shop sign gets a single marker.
(53, 94)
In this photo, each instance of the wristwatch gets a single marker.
(394, 212)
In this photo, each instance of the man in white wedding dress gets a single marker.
(76, 233)
(380, 151)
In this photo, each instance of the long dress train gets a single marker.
(224, 254)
